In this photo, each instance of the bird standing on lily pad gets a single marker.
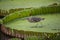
(36, 20)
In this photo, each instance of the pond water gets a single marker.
(51, 23)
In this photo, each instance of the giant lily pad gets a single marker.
(16, 24)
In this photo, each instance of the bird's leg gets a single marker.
(36, 25)
(39, 25)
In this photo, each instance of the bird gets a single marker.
(35, 19)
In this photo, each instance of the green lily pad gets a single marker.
(50, 24)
